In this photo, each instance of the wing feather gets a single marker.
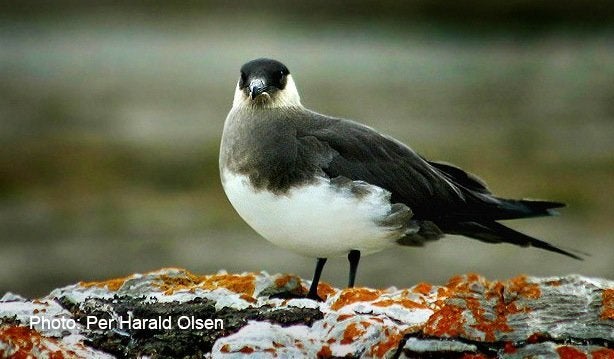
(361, 153)
(439, 194)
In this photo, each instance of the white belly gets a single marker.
(317, 220)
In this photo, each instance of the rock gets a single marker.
(174, 313)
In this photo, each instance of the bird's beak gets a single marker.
(256, 88)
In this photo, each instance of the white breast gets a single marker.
(319, 220)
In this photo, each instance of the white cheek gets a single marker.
(289, 96)
(239, 99)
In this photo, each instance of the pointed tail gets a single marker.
(494, 232)
(525, 208)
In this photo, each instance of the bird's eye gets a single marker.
(278, 78)
(279, 75)
(243, 77)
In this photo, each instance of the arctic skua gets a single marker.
(323, 186)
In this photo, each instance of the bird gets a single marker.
(323, 186)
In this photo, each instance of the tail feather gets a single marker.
(494, 232)
(525, 208)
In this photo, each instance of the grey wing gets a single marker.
(434, 191)
(360, 153)
(442, 197)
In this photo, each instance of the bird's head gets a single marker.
(266, 83)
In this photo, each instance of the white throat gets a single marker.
(288, 97)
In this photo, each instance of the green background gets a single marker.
(111, 116)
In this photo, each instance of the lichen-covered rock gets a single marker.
(174, 313)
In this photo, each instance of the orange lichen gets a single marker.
(462, 286)
(535, 338)
(603, 353)
(495, 291)
(380, 349)
(238, 283)
(325, 352)
(351, 332)
(554, 283)
(248, 298)
(487, 326)
(404, 302)
(474, 356)
(422, 288)
(484, 300)
(522, 288)
(442, 294)
(607, 300)
(512, 308)
(325, 290)
(567, 352)
(247, 350)
(509, 348)
(111, 284)
(343, 317)
(27, 341)
(385, 303)
(463, 282)
(353, 295)
(448, 321)
(285, 279)
(225, 348)
(455, 281)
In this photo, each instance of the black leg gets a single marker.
(313, 291)
(354, 258)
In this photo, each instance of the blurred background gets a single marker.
(111, 116)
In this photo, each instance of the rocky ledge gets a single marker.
(177, 314)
